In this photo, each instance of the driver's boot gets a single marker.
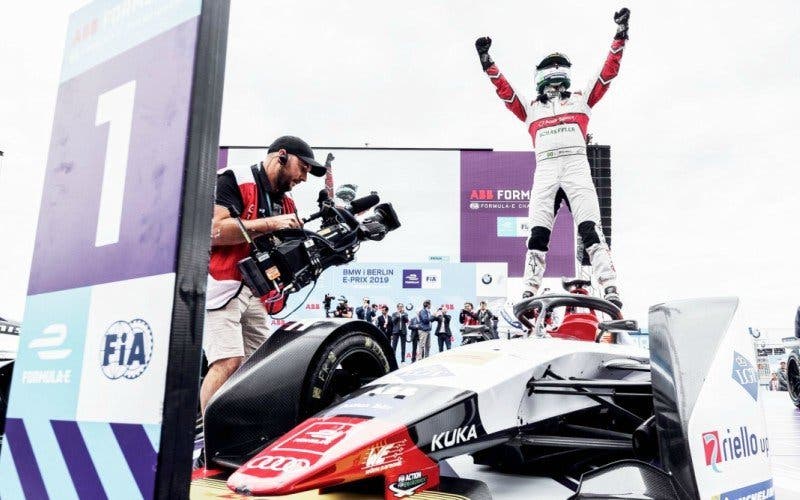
(604, 272)
(534, 272)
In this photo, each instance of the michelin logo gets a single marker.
(454, 437)
(759, 491)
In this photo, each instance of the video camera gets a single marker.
(285, 261)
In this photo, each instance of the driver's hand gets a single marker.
(285, 221)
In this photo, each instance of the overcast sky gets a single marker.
(702, 120)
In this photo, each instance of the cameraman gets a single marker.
(326, 304)
(236, 320)
(343, 310)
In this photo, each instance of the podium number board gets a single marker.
(114, 307)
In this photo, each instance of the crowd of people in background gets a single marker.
(779, 382)
(419, 329)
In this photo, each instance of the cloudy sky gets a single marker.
(701, 121)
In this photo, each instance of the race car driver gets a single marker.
(557, 121)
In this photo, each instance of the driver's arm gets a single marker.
(610, 69)
(514, 102)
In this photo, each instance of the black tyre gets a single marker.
(793, 379)
(343, 365)
(5, 385)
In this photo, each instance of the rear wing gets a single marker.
(710, 421)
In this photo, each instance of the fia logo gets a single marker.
(127, 349)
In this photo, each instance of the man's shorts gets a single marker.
(237, 329)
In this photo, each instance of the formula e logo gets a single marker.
(127, 349)
(454, 437)
(279, 464)
(732, 446)
(47, 345)
(744, 374)
(412, 278)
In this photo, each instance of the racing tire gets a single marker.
(793, 379)
(343, 365)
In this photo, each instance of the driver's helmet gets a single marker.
(553, 70)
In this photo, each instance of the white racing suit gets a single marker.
(558, 129)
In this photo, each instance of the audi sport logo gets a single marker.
(278, 463)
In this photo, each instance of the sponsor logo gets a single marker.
(383, 457)
(736, 445)
(425, 371)
(395, 391)
(513, 227)
(432, 278)
(759, 491)
(127, 349)
(744, 374)
(412, 278)
(486, 279)
(454, 437)
(278, 463)
(315, 437)
(408, 484)
(48, 347)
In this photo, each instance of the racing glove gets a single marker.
(482, 45)
(621, 18)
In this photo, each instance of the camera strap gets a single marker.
(262, 186)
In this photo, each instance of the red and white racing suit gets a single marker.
(558, 129)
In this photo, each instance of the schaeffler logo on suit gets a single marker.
(732, 445)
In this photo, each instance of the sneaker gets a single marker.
(612, 296)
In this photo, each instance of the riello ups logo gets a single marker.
(732, 445)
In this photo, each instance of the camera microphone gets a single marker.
(364, 203)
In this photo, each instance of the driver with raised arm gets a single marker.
(557, 121)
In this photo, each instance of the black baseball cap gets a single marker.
(298, 147)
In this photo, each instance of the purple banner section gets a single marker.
(222, 158)
(66, 254)
(79, 462)
(495, 191)
(19, 444)
(139, 454)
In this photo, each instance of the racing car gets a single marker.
(680, 421)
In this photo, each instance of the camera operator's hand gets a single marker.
(286, 221)
(482, 45)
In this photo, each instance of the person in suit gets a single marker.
(443, 334)
(384, 322)
(400, 330)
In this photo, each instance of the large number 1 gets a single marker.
(114, 107)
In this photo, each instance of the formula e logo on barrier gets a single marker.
(759, 491)
(127, 349)
(47, 345)
(744, 444)
(278, 463)
(744, 374)
(412, 278)
(454, 437)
